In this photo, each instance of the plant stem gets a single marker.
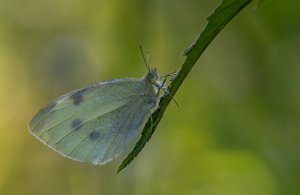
(221, 16)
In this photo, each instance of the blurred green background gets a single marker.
(237, 130)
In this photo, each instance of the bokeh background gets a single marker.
(237, 130)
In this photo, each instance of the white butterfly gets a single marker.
(95, 123)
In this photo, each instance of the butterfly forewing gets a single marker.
(95, 123)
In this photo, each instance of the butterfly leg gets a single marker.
(171, 74)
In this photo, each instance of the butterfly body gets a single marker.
(95, 123)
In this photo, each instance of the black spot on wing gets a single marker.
(76, 124)
(77, 98)
(94, 135)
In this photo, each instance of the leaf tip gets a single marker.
(121, 167)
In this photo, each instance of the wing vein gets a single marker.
(66, 97)
(49, 128)
(118, 132)
(97, 142)
(96, 116)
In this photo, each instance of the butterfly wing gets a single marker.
(95, 123)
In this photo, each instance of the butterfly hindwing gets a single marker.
(95, 123)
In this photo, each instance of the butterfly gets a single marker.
(95, 123)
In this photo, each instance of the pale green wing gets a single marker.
(95, 123)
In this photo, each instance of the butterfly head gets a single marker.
(152, 75)
(153, 78)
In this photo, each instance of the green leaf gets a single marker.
(221, 16)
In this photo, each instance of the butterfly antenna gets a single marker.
(145, 61)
